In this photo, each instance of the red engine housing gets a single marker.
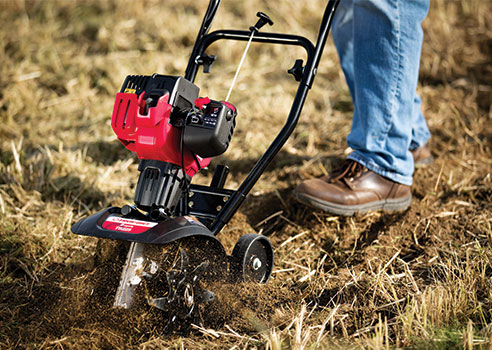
(148, 132)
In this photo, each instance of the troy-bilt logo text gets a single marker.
(116, 223)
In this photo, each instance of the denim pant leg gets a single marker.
(420, 131)
(381, 67)
(343, 36)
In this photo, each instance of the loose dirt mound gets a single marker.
(75, 302)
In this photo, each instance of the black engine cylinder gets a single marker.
(160, 185)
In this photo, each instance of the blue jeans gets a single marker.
(379, 43)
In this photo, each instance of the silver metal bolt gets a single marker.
(189, 298)
(256, 263)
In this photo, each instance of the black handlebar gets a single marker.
(307, 76)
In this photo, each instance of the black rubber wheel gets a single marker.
(252, 259)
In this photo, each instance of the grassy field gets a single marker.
(419, 279)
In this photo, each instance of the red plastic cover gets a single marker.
(149, 133)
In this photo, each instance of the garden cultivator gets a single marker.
(175, 257)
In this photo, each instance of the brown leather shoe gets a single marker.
(353, 189)
(422, 157)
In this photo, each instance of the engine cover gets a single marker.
(141, 118)
(209, 132)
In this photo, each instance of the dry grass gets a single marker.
(420, 279)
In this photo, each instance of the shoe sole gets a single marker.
(387, 205)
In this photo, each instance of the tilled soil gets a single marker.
(76, 302)
(375, 279)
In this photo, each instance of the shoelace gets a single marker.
(349, 168)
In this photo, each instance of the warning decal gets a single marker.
(117, 223)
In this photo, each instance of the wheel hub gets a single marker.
(256, 263)
(189, 298)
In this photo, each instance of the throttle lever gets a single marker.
(263, 19)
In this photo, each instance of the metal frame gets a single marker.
(203, 41)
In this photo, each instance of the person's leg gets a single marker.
(420, 131)
(387, 45)
(343, 37)
(420, 135)
(379, 43)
